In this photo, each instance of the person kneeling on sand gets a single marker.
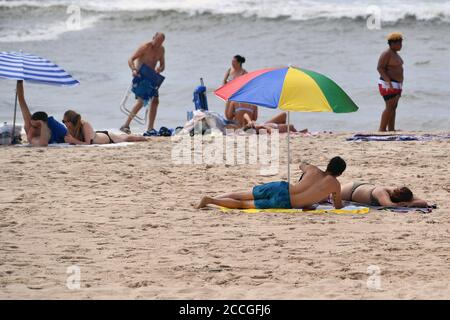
(41, 129)
(81, 132)
(372, 195)
(312, 188)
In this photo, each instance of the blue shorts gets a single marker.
(273, 195)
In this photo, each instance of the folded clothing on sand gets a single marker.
(319, 209)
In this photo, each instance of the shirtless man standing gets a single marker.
(390, 67)
(150, 54)
(314, 186)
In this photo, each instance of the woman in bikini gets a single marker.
(236, 69)
(81, 132)
(376, 196)
(234, 111)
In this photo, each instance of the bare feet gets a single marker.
(204, 202)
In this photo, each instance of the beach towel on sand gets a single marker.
(67, 145)
(397, 137)
(320, 209)
(396, 209)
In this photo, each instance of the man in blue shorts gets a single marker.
(41, 129)
(313, 187)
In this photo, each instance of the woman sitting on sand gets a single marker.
(235, 113)
(81, 132)
(372, 195)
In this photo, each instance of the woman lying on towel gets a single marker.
(377, 196)
(81, 132)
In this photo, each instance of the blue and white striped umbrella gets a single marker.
(30, 68)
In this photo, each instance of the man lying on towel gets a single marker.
(314, 186)
(41, 129)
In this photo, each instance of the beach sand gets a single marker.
(125, 217)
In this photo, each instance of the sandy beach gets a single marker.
(125, 217)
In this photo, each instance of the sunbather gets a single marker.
(370, 194)
(312, 188)
(276, 123)
(41, 129)
(237, 113)
(81, 132)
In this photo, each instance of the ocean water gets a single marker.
(202, 36)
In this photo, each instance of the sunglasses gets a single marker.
(64, 121)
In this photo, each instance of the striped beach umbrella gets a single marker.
(288, 89)
(30, 68)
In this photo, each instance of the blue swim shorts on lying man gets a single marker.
(58, 131)
(273, 195)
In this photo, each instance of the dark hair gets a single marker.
(391, 42)
(239, 59)
(336, 166)
(39, 116)
(403, 194)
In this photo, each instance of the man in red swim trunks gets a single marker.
(390, 67)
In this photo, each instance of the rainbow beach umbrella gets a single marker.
(289, 89)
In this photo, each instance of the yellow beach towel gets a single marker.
(318, 210)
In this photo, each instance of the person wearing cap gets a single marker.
(390, 84)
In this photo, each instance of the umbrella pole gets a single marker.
(13, 137)
(289, 146)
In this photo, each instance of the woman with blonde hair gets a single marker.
(81, 132)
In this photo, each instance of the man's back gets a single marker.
(313, 187)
